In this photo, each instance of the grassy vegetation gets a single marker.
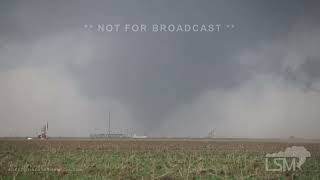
(124, 159)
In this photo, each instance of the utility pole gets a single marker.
(109, 132)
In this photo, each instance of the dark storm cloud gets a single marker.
(154, 74)
(306, 75)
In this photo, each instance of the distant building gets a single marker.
(138, 137)
(106, 135)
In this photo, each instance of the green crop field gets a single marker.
(147, 159)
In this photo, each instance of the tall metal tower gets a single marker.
(109, 127)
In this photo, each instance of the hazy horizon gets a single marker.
(258, 79)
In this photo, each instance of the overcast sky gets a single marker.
(258, 79)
